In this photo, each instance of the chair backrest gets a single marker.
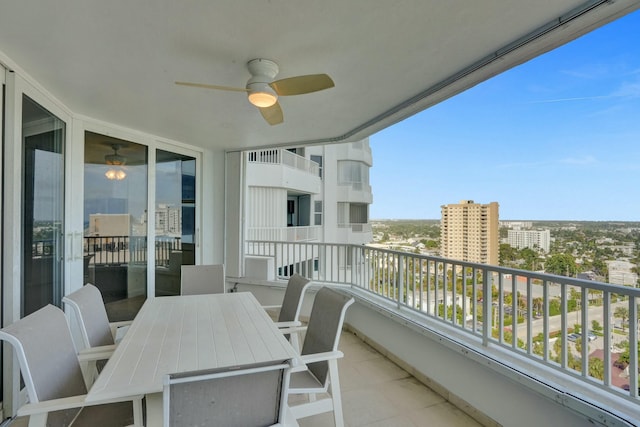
(88, 307)
(48, 361)
(247, 396)
(292, 301)
(202, 279)
(325, 325)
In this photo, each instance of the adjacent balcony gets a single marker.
(359, 150)
(354, 192)
(281, 168)
(356, 232)
(504, 345)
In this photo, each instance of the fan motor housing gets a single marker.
(262, 71)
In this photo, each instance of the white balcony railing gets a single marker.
(554, 315)
(284, 234)
(284, 157)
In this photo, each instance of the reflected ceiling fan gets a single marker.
(263, 91)
(116, 164)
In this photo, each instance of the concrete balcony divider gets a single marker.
(285, 234)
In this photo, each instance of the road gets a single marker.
(594, 313)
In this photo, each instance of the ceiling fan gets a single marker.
(116, 164)
(263, 91)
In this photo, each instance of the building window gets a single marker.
(298, 210)
(358, 213)
(318, 160)
(354, 173)
(317, 212)
(352, 213)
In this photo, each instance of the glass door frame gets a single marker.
(11, 159)
(152, 144)
(2, 228)
(12, 258)
(197, 155)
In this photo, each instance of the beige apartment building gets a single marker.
(469, 232)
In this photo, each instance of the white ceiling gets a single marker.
(117, 60)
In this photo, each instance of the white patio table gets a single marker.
(187, 333)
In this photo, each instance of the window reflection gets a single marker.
(175, 219)
(115, 222)
(43, 207)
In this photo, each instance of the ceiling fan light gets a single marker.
(115, 174)
(114, 159)
(261, 94)
(262, 99)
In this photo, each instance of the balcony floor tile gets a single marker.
(377, 393)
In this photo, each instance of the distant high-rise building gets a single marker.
(534, 239)
(469, 232)
(517, 225)
(168, 220)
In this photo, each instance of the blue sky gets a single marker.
(557, 138)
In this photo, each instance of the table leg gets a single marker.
(154, 409)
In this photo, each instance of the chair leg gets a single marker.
(336, 396)
(89, 372)
(38, 420)
(138, 416)
(295, 342)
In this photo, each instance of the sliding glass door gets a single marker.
(115, 222)
(135, 242)
(175, 219)
(43, 137)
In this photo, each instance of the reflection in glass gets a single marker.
(175, 219)
(43, 207)
(115, 222)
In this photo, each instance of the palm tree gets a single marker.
(596, 368)
(621, 313)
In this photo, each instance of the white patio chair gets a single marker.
(53, 379)
(289, 314)
(202, 279)
(247, 396)
(88, 307)
(320, 355)
(97, 334)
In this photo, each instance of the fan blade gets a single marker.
(273, 115)
(302, 84)
(206, 86)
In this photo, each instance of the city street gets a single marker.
(594, 313)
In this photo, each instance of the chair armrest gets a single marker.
(96, 353)
(290, 324)
(68, 403)
(293, 330)
(320, 357)
(52, 405)
(114, 326)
